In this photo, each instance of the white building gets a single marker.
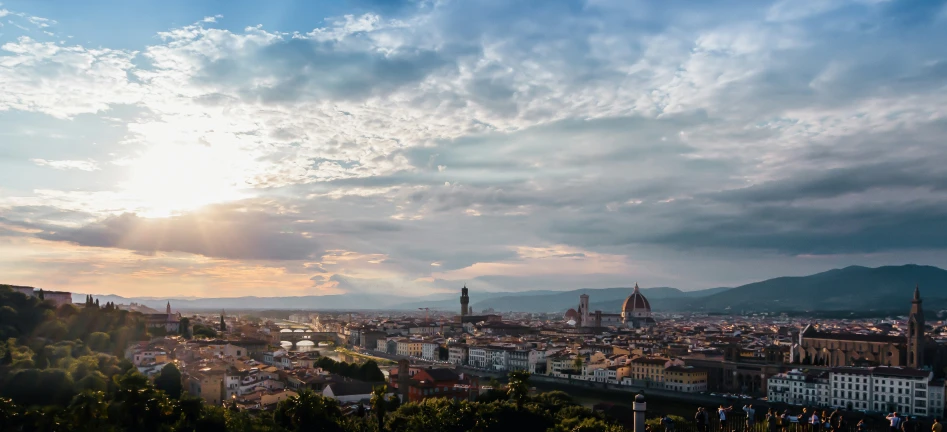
(537, 362)
(798, 388)
(457, 354)
(518, 360)
(606, 374)
(886, 389)
(499, 358)
(881, 389)
(430, 351)
(936, 398)
(477, 357)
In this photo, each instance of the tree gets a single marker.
(169, 381)
(99, 341)
(185, 327)
(87, 411)
(201, 330)
(41, 295)
(394, 402)
(309, 411)
(518, 390)
(576, 365)
(223, 325)
(138, 406)
(379, 405)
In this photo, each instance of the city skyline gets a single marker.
(237, 148)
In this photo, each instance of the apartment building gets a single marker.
(457, 354)
(648, 369)
(430, 351)
(905, 390)
(409, 348)
(687, 379)
(477, 357)
(797, 387)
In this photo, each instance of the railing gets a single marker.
(739, 424)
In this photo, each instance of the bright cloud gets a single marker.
(86, 165)
(437, 143)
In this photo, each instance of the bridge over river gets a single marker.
(298, 333)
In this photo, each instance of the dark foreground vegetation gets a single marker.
(134, 404)
(61, 369)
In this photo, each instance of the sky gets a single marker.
(230, 148)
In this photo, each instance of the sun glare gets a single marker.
(170, 179)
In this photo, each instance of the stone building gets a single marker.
(170, 322)
(820, 348)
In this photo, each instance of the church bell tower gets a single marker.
(916, 332)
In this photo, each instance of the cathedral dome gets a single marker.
(571, 314)
(636, 305)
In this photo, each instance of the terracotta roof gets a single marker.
(812, 333)
(636, 302)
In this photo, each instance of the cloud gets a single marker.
(219, 233)
(64, 81)
(86, 165)
(501, 143)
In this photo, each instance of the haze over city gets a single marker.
(219, 149)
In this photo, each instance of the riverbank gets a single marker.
(381, 361)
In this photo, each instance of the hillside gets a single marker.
(851, 288)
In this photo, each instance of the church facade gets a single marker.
(820, 348)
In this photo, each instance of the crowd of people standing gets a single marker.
(805, 421)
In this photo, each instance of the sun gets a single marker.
(171, 179)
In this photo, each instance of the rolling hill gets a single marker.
(851, 288)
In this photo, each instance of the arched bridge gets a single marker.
(296, 335)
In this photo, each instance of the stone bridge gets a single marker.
(296, 335)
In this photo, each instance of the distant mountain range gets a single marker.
(856, 288)
(853, 288)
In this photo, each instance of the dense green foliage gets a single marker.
(136, 405)
(203, 331)
(47, 355)
(169, 381)
(368, 371)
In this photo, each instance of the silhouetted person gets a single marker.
(722, 412)
(907, 424)
(701, 419)
(834, 419)
(750, 417)
(772, 421)
(804, 419)
(668, 423)
(895, 422)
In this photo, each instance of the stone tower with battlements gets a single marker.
(464, 302)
